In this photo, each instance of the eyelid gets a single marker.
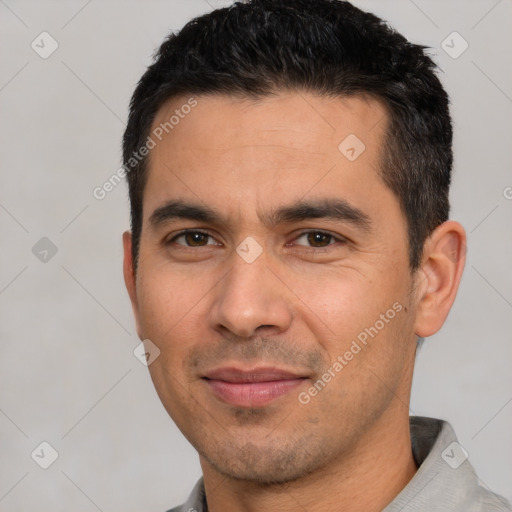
(336, 237)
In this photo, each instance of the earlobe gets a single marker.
(443, 262)
(129, 277)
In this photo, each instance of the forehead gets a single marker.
(301, 118)
(229, 149)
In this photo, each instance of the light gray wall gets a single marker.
(67, 372)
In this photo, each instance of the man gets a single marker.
(289, 166)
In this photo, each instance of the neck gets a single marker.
(368, 478)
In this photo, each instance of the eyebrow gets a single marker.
(329, 208)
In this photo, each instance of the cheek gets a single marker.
(172, 313)
(364, 321)
(167, 302)
(342, 303)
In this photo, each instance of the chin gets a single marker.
(265, 465)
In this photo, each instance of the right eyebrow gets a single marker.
(178, 209)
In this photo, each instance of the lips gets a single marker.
(252, 388)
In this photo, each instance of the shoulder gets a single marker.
(196, 502)
(492, 502)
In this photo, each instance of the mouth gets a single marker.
(256, 387)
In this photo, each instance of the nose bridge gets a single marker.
(251, 296)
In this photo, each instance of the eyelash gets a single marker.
(314, 231)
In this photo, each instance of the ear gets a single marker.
(444, 256)
(129, 278)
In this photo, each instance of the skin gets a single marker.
(298, 306)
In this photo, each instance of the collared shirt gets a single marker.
(445, 480)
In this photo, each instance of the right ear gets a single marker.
(444, 256)
(129, 278)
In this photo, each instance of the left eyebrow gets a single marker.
(327, 208)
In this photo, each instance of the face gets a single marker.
(273, 277)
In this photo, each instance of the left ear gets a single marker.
(444, 256)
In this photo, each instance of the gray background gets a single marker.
(67, 372)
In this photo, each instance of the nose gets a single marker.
(251, 299)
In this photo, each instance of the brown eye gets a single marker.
(316, 239)
(191, 239)
(196, 238)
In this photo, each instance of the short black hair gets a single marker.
(327, 47)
